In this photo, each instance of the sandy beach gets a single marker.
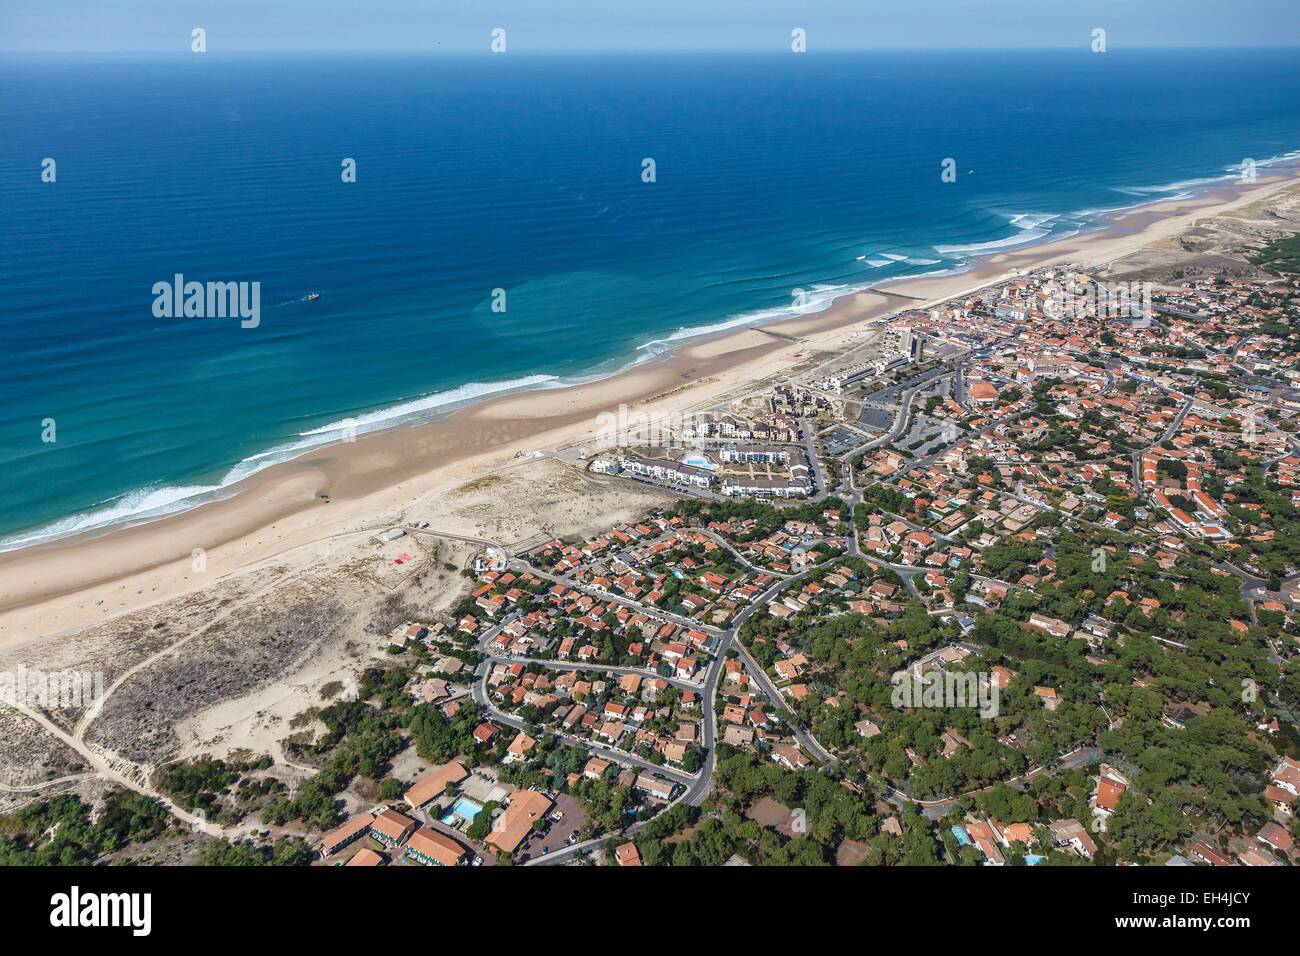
(341, 491)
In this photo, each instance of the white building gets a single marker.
(667, 470)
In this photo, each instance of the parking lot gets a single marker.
(839, 440)
(558, 832)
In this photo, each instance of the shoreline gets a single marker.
(430, 407)
(440, 404)
(100, 574)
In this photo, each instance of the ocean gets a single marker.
(524, 174)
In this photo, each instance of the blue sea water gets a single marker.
(522, 173)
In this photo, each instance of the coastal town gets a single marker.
(1012, 582)
(1095, 510)
(511, 442)
(1077, 488)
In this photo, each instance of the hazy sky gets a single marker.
(603, 25)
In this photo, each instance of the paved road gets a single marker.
(800, 733)
(699, 787)
(900, 419)
(1167, 434)
(814, 459)
(696, 787)
(481, 698)
(798, 729)
(938, 809)
(723, 542)
(556, 665)
(518, 564)
(925, 462)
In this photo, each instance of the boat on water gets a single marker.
(313, 296)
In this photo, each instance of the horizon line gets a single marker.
(591, 51)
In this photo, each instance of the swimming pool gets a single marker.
(464, 808)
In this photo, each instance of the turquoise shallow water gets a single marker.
(478, 173)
